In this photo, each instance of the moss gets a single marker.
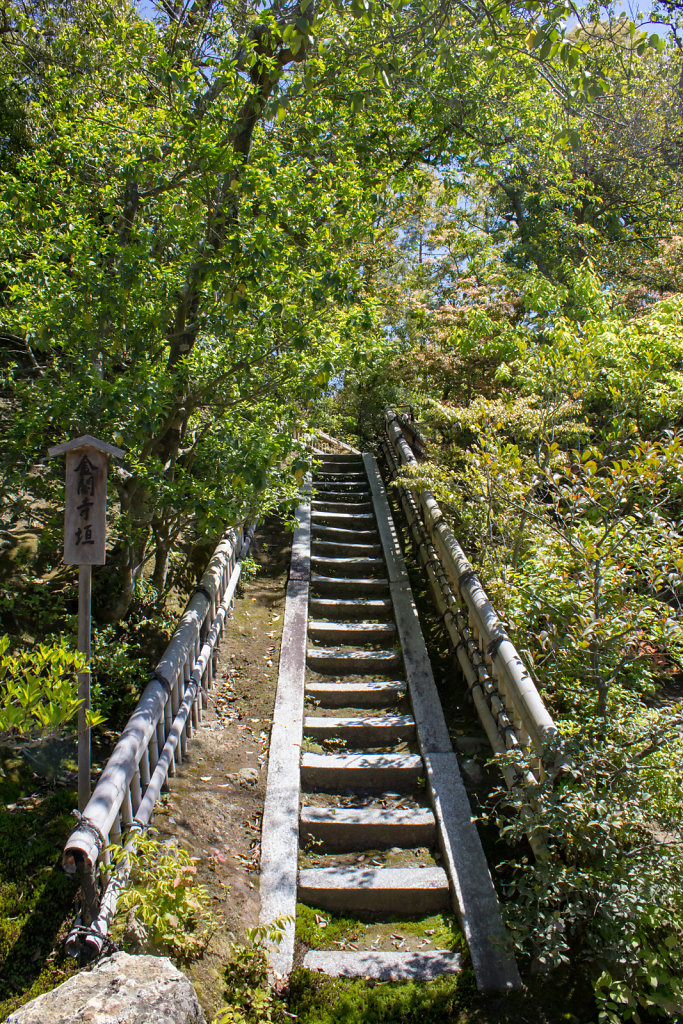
(311, 930)
(316, 999)
(321, 929)
(451, 999)
(36, 897)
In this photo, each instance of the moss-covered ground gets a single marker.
(36, 897)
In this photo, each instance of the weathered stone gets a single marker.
(120, 990)
(135, 936)
(245, 778)
(473, 772)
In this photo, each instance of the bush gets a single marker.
(38, 689)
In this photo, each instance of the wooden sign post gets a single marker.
(85, 527)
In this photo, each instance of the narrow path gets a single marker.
(214, 804)
(359, 731)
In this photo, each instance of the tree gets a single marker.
(189, 234)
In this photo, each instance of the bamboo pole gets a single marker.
(509, 666)
(118, 790)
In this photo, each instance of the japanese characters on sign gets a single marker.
(86, 507)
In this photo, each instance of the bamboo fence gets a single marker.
(152, 745)
(507, 702)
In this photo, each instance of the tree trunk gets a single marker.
(114, 587)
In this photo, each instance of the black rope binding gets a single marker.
(108, 945)
(163, 680)
(88, 826)
(494, 646)
(199, 589)
(139, 826)
(466, 577)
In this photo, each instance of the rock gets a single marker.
(473, 773)
(120, 990)
(469, 744)
(135, 937)
(246, 778)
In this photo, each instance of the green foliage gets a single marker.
(38, 688)
(250, 999)
(250, 569)
(610, 894)
(195, 240)
(561, 476)
(164, 895)
(121, 657)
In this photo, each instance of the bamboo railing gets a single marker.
(152, 744)
(508, 704)
(320, 443)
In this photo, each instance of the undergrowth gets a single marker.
(316, 999)
(36, 896)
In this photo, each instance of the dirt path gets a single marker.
(214, 805)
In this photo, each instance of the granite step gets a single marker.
(344, 586)
(376, 890)
(367, 828)
(346, 520)
(331, 661)
(341, 549)
(340, 460)
(426, 965)
(334, 493)
(351, 632)
(335, 566)
(356, 695)
(332, 533)
(351, 608)
(331, 773)
(341, 484)
(345, 506)
(371, 731)
(333, 474)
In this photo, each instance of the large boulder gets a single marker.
(120, 990)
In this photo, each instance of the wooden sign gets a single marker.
(85, 508)
(85, 516)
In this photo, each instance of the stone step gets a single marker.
(356, 695)
(340, 586)
(331, 533)
(334, 474)
(351, 608)
(354, 497)
(331, 566)
(342, 484)
(371, 731)
(425, 965)
(346, 520)
(347, 461)
(351, 632)
(367, 828)
(384, 772)
(329, 660)
(337, 497)
(332, 548)
(376, 890)
(339, 465)
(344, 506)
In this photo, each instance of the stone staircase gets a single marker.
(382, 818)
